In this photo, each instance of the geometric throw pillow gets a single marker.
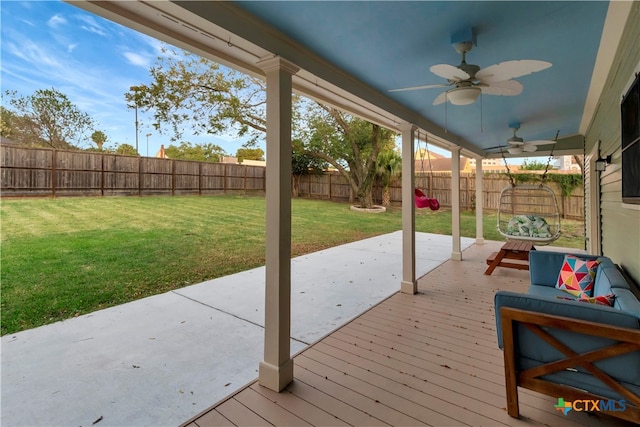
(577, 276)
(607, 300)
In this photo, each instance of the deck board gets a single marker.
(425, 359)
(300, 407)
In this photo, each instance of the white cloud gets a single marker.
(56, 21)
(137, 59)
(27, 22)
(91, 25)
(71, 47)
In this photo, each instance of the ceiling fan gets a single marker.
(469, 80)
(517, 145)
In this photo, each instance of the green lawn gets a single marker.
(65, 257)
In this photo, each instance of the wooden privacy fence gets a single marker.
(47, 172)
(333, 186)
(42, 172)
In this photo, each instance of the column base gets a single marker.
(410, 288)
(479, 241)
(456, 256)
(275, 378)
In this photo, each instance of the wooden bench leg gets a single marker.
(495, 263)
(511, 383)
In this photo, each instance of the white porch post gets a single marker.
(276, 370)
(479, 202)
(456, 253)
(409, 284)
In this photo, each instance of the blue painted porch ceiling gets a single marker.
(393, 44)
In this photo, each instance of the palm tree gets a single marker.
(388, 167)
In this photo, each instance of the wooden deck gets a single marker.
(425, 359)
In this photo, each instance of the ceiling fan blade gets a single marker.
(505, 88)
(449, 72)
(510, 70)
(442, 98)
(419, 87)
(541, 142)
(497, 147)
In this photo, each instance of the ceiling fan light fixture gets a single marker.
(463, 95)
(514, 150)
(529, 148)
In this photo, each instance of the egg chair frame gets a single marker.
(522, 207)
(529, 212)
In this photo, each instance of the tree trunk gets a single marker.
(386, 197)
(295, 186)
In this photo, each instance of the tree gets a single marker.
(99, 138)
(388, 167)
(191, 91)
(349, 144)
(534, 165)
(303, 164)
(188, 91)
(250, 154)
(201, 153)
(126, 149)
(48, 118)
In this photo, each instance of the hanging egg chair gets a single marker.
(529, 213)
(421, 200)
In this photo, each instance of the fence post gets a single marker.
(139, 176)
(244, 181)
(54, 174)
(199, 179)
(102, 174)
(224, 179)
(466, 183)
(173, 177)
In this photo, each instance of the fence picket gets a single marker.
(37, 172)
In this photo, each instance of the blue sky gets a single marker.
(91, 60)
(94, 62)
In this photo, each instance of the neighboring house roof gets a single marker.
(161, 154)
(440, 164)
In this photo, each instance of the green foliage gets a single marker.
(533, 165)
(99, 138)
(304, 164)
(349, 144)
(192, 92)
(202, 153)
(126, 149)
(567, 182)
(388, 166)
(47, 119)
(250, 154)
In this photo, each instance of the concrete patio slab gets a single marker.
(163, 359)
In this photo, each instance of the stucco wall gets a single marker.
(620, 224)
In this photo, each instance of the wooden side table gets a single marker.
(513, 249)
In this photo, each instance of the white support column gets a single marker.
(276, 370)
(456, 253)
(479, 202)
(409, 284)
